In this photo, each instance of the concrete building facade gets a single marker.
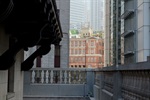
(136, 30)
(112, 32)
(133, 28)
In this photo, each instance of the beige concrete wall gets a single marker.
(18, 77)
(17, 92)
(107, 41)
(3, 74)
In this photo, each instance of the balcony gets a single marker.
(129, 53)
(127, 13)
(58, 83)
(126, 82)
(127, 33)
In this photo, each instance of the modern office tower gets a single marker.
(97, 15)
(136, 30)
(77, 11)
(112, 32)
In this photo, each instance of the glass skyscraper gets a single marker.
(97, 15)
(76, 14)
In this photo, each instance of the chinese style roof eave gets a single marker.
(30, 23)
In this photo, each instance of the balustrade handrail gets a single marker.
(130, 82)
(67, 69)
(59, 75)
(131, 67)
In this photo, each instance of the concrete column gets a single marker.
(4, 44)
(101, 85)
(89, 82)
(117, 80)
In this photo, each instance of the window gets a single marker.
(79, 51)
(76, 44)
(79, 43)
(75, 51)
(92, 43)
(83, 59)
(72, 44)
(83, 51)
(92, 59)
(57, 56)
(92, 51)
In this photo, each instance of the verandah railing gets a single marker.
(126, 82)
(58, 76)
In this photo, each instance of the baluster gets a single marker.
(77, 77)
(84, 77)
(32, 76)
(69, 76)
(145, 81)
(47, 77)
(38, 78)
(52, 75)
(42, 76)
(60, 76)
(55, 76)
(35, 78)
(65, 77)
(73, 77)
(81, 77)
(136, 80)
(148, 82)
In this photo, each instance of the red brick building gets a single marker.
(86, 52)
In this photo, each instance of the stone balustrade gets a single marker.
(58, 76)
(127, 82)
(58, 82)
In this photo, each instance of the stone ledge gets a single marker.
(91, 98)
(10, 95)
